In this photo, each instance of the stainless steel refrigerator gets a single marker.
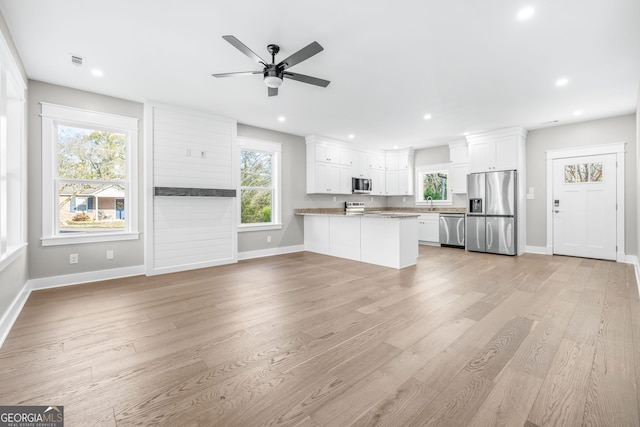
(491, 212)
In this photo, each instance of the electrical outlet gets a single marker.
(188, 152)
(334, 198)
(109, 254)
(268, 239)
(73, 258)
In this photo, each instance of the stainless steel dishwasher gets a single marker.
(452, 230)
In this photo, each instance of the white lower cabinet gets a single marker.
(429, 228)
(316, 234)
(344, 237)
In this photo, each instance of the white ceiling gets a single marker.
(470, 64)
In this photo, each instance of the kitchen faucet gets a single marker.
(430, 200)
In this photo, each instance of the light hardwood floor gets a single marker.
(461, 339)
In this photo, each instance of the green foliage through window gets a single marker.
(256, 187)
(435, 186)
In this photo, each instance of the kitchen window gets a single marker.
(260, 198)
(89, 167)
(432, 185)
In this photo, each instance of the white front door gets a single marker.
(584, 206)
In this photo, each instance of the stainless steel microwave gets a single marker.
(361, 185)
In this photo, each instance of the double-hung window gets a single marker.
(89, 185)
(259, 185)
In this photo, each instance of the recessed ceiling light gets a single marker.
(561, 82)
(427, 116)
(395, 147)
(577, 112)
(525, 13)
(97, 73)
(351, 136)
(466, 133)
(282, 118)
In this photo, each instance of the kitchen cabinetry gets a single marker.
(327, 153)
(378, 182)
(327, 178)
(331, 165)
(399, 173)
(429, 228)
(459, 166)
(494, 154)
(458, 177)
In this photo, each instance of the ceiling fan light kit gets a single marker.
(275, 73)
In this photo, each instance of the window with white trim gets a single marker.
(432, 185)
(260, 198)
(89, 180)
(13, 168)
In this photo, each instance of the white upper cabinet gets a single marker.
(331, 165)
(399, 173)
(392, 162)
(376, 161)
(459, 166)
(497, 150)
(327, 153)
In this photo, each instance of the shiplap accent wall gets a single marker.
(196, 150)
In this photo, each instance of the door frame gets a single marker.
(619, 150)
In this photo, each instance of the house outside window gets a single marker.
(90, 185)
(432, 185)
(260, 188)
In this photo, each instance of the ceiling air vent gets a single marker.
(77, 60)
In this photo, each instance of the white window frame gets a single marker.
(13, 159)
(275, 149)
(52, 115)
(422, 170)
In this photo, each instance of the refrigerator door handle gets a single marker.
(489, 235)
(460, 232)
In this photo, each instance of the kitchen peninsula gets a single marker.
(381, 238)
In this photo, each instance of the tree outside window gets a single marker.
(256, 190)
(88, 158)
(259, 185)
(91, 167)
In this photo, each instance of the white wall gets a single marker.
(594, 132)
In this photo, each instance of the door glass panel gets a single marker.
(595, 172)
(583, 172)
(569, 174)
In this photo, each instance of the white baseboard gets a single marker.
(11, 315)
(270, 252)
(633, 259)
(89, 276)
(542, 250)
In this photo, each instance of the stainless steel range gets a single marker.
(354, 208)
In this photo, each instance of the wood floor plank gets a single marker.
(563, 394)
(461, 338)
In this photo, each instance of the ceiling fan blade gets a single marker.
(244, 49)
(273, 91)
(307, 79)
(304, 53)
(239, 73)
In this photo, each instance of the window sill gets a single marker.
(258, 227)
(88, 238)
(12, 255)
(435, 203)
